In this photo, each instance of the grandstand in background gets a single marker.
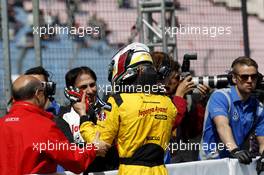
(117, 21)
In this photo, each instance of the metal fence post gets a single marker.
(245, 27)
(37, 44)
(6, 51)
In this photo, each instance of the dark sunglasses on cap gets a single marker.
(245, 77)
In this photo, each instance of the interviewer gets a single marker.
(27, 126)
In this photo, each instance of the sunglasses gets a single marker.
(245, 77)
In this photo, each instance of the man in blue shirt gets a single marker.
(232, 113)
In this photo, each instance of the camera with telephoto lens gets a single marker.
(216, 81)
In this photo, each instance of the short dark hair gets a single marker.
(72, 74)
(39, 70)
(26, 92)
(243, 60)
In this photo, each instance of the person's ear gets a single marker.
(39, 93)
(234, 78)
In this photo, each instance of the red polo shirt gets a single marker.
(31, 143)
(181, 105)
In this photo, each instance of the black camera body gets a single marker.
(50, 88)
(185, 68)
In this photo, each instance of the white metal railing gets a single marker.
(208, 167)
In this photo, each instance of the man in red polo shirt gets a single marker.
(31, 142)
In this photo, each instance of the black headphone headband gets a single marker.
(165, 67)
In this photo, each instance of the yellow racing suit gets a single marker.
(141, 125)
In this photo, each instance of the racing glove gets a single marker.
(260, 164)
(75, 95)
(243, 156)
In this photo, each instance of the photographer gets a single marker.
(190, 107)
(232, 114)
(43, 75)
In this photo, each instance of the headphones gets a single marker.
(165, 68)
(259, 80)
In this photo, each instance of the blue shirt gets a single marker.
(242, 117)
(54, 107)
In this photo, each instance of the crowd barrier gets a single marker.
(207, 167)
